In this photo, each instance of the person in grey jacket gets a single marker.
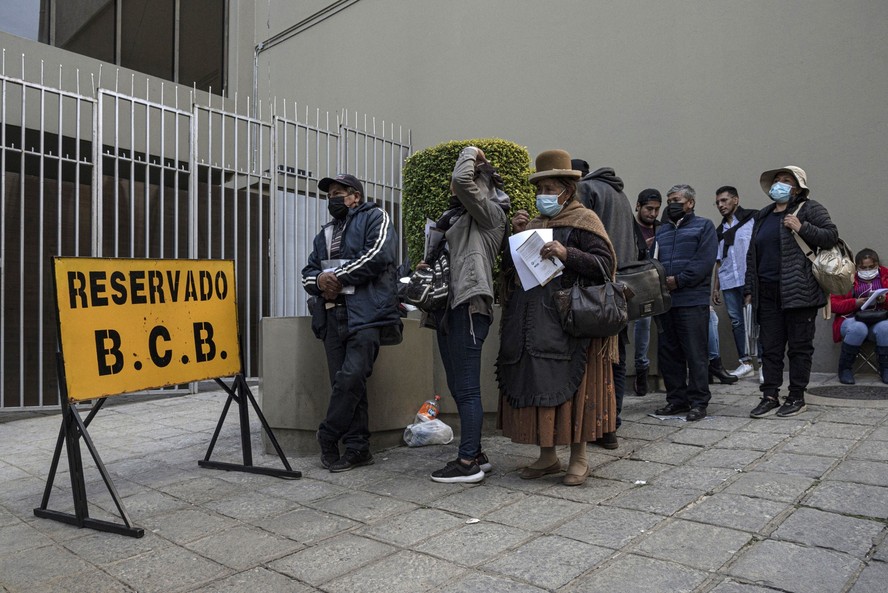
(781, 287)
(474, 226)
(602, 192)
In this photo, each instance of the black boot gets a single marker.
(641, 382)
(882, 351)
(846, 363)
(717, 371)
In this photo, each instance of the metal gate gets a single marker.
(108, 173)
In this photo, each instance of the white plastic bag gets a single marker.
(431, 432)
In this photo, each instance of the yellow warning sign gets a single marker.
(132, 324)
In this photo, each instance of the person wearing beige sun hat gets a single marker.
(781, 287)
(555, 389)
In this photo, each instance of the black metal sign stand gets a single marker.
(239, 392)
(72, 430)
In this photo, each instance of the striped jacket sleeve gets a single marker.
(377, 253)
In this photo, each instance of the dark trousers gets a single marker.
(619, 368)
(350, 361)
(785, 331)
(683, 355)
(460, 341)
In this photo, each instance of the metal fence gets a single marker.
(109, 173)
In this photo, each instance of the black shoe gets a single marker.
(329, 451)
(765, 407)
(717, 371)
(483, 462)
(792, 407)
(352, 459)
(846, 363)
(456, 471)
(608, 441)
(641, 382)
(696, 413)
(672, 409)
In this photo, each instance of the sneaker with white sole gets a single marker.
(483, 462)
(744, 370)
(457, 472)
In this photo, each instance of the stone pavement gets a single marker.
(725, 505)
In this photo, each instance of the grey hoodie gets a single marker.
(602, 192)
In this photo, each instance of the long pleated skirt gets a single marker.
(586, 417)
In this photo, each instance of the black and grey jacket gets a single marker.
(798, 288)
(369, 248)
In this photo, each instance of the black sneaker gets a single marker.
(329, 451)
(791, 407)
(483, 462)
(765, 407)
(673, 409)
(351, 460)
(457, 471)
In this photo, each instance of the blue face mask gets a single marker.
(548, 204)
(780, 192)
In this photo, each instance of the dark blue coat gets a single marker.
(687, 251)
(369, 244)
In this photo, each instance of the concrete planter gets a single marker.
(295, 387)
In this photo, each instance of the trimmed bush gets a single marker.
(427, 183)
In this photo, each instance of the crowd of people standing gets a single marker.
(557, 389)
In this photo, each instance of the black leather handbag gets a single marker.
(597, 311)
(646, 292)
(871, 316)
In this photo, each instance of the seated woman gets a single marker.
(850, 330)
(556, 389)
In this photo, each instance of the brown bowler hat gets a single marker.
(554, 163)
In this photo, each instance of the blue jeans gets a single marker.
(855, 333)
(734, 304)
(461, 355)
(714, 347)
(682, 354)
(350, 361)
(642, 343)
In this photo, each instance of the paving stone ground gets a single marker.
(726, 505)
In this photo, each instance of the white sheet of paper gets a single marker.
(872, 298)
(329, 265)
(524, 261)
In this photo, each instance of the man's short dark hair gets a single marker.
(729, 189)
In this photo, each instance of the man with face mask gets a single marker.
(686, 246)
(351, 274)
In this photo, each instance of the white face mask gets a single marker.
(868, 274)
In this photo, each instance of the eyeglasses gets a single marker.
(331, 196)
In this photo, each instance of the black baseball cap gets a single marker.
(342, 179)
(649, 195)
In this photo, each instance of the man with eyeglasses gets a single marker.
(351, 274)
(734, 234)
(685, 245)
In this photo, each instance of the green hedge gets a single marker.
(427, 183)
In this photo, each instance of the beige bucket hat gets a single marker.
(767, 178)
(554, 163)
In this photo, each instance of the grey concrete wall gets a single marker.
(295, 389)
(665, 91)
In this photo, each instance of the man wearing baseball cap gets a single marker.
(351, 274)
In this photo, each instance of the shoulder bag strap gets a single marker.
(806, 249)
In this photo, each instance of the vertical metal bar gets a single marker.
(96, 192)
(21, 279)
(162, 176)
(131, 190)
(116, 157)
(147, 168)
(3, 120)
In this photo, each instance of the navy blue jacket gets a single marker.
(369, 244)
(687, 251)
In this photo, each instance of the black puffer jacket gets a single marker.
(798, 288)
